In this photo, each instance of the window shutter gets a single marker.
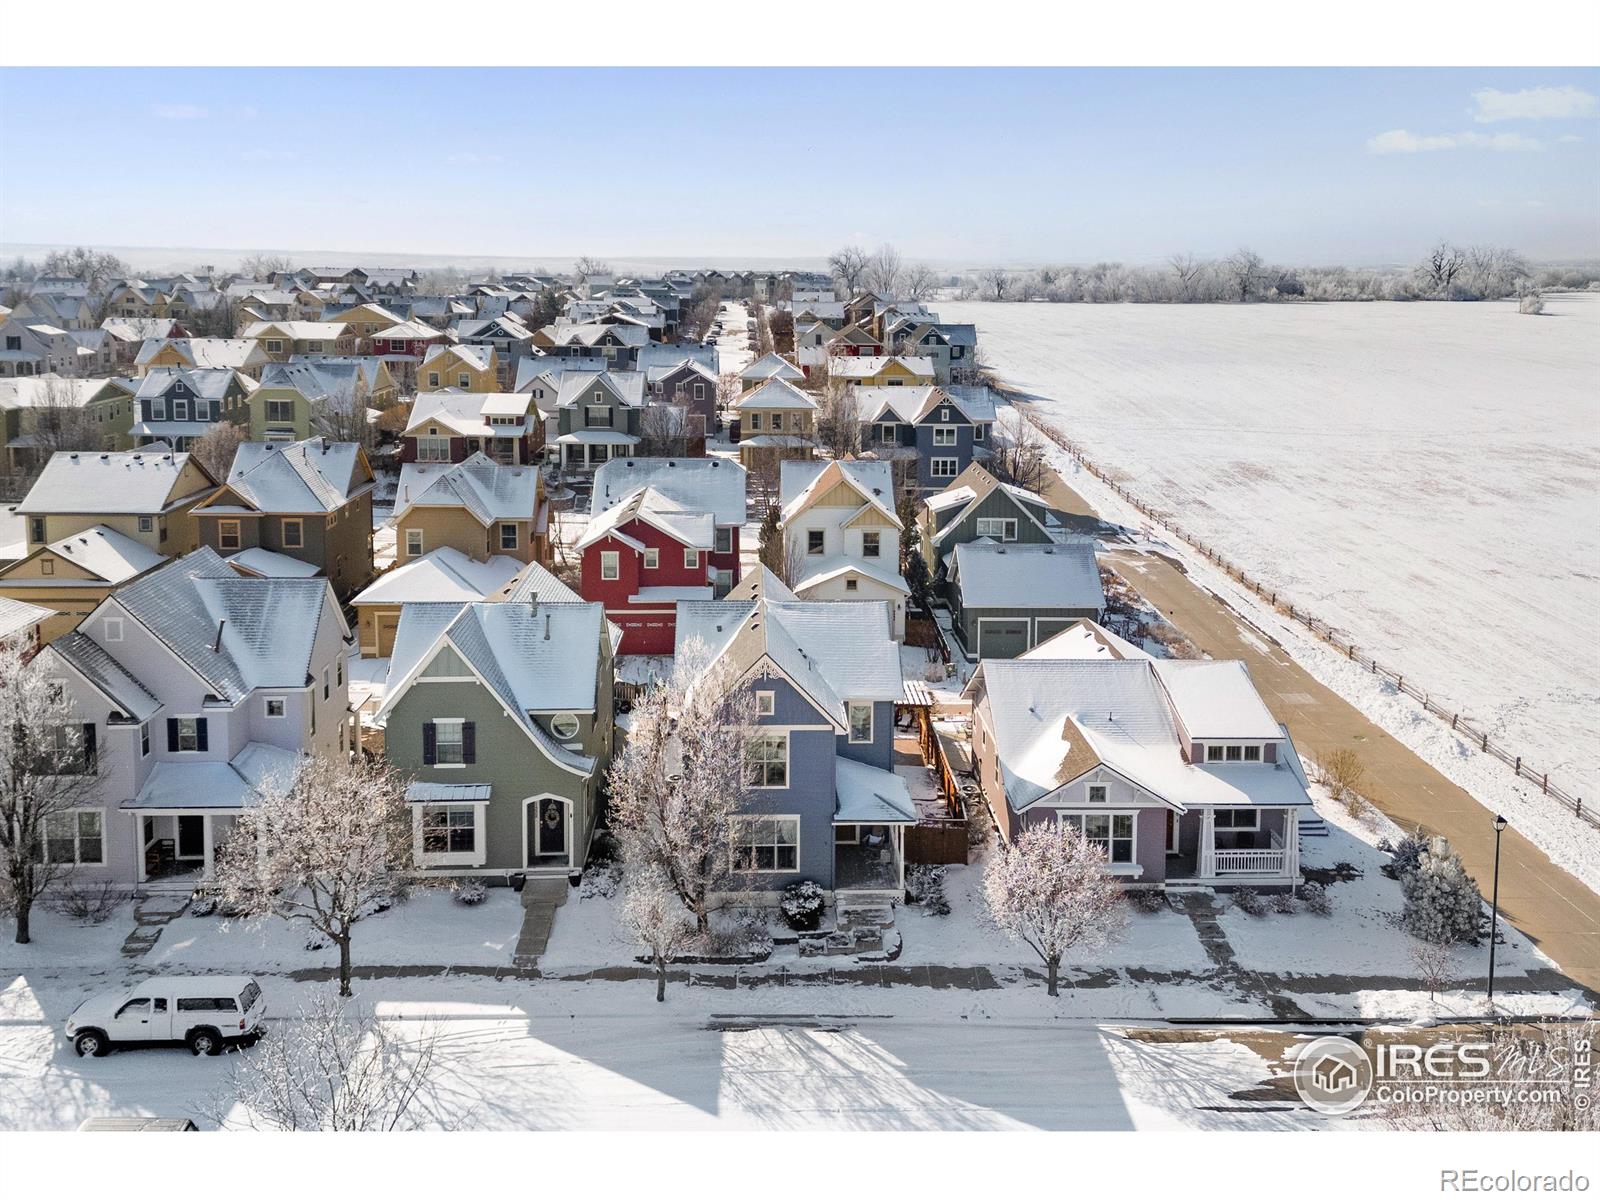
(430, 745)
(469, 741)
(172, 735)
(200, 733)
(88, 744)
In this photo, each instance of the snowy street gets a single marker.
(605, 1056)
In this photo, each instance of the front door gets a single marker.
(549, 831)
(191, 837)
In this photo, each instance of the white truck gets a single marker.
(204, 1012)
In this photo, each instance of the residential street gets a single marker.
(1555, 910)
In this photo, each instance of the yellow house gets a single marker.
(145, 496)
(883, 371)
(465, 368)
(282, 340)
(71, 575)
(777, 421)
(238, 354)
(134, 298)
(364, 320)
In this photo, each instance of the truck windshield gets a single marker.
(248, 998)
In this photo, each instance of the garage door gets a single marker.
(1046, 627)
(1002, 639)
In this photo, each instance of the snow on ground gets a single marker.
(1422, 475)
(606, 1056)
(733, 343)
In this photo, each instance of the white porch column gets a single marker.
(207, 867)
(1208, 843)
(139, 846)
(899, 835)
(1291, 844)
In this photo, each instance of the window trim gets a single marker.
(266, 708)
(77, 859)
(944, 435)
(508, 529)
(951, 468)
(1103, 788)
(691, 558)
(1065, 817)
(735, 842)
(610, 566)
(413, 533)
(766, 703)
(298, 524)
(556, 718)
(851, 707)
(652, 558)
(449, 858)
(460, 726)
(767, 735)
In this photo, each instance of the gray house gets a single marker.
(178, 404)
(940, 432)
(822, 798)
(196, 686)
(599, 416)
(502, 715)
(977, 505)
(1007, 599)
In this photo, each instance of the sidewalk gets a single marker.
(1559, 914)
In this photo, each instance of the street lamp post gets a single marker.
(1494, 904)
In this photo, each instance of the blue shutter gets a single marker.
(469, 742)
(430, 746)
(200, 734)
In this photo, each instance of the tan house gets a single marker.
(878, 370)
(282, 340)
(364, 320)
(479, 507)
(238, 354)
(147, 496)
(69, 577)
(442, 575)
(776, 421)
(310, 501)
(464, 368)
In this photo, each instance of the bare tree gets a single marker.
(1188, 270)
(215, 448)
(341, 415)
(588, 267)
(884, 271)
(1435, 963)
(324, 847)
(679, 782)
(1440, 268)
(848, 265)
(59, 420)
(98, 269)
(839, 420)
(920, 281)
(996, 282)
(653, 914)
(265, 266)
(1244, 268)
(1018, 452)
(663, 431)
(333, 1066)
(700, 312)
(48, 767)
(1051, 891)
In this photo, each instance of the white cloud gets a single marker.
(1535, 104)
(1403, 141)
(179, 112)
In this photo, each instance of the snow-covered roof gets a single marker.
(445, 793)
(18, 615)
(597, 437)
(533, 658)
(656, 356)
(1216, 699)
(865, 366)
(802, 480)
(218, 785)
(1016, 575)
(772, 366)
(467, 413)
(691, 527)
(626, 387)
(774, 394)
(214, 353)
(313, 476)
(759, 583)
(236, 633)
(1084, 639)
(129, 481)
(477, 358)
(906, 405)
(1055, 720)
(444, 574)
(868, 795)
(553, 368)
(490, 491)
(105, 674)
(535, 582)
(269, 564)
(821, 570)
(710, 484)
(107, 554)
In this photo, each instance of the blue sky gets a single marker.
(955, 166)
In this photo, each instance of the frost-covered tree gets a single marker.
(679, 781)
(1442, 904)
(215, 448)
(919, 281)
(1435, 964)
(99, 269)
(48, 768)
(333, 1066)
(848, 265)
(839, 420)
(995, 283)
(1050, 890)
(652, 914)
(1244, 267)
(884, 271)
(1017, 453)
(325, 847)
(265, 266)
(341, 416)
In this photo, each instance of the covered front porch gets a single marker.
(872, 810)
(1234, 846)
(176, 848)
(588, 448)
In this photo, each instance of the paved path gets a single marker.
(540, 899)
(1558, 913)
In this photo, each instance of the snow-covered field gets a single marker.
(1425, 476)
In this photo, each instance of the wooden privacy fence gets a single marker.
(937, 841)
(1473, 733)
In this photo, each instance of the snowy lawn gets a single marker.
(1421, 475)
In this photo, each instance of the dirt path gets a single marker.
(1559, 914)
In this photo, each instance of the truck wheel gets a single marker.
(204, 1041)
(90, 1042)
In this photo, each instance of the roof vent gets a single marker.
(216, 647)
(1049, 550)
(547, 627)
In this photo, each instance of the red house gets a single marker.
(642, 556)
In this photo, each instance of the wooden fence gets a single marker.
(930, 841)
(1473, 733)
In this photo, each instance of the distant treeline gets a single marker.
(1448, 272)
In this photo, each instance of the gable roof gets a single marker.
(443, 574)
(235, 633)
(105, 674)
(772, 366)
(477, 358)
(209, 383)
(18, 615)
(467, 413)
(774, 393)
(1215, 699)
(759, 583)
(127, 481)
(801, 482)
(1084, 639)
(313, 476)
(710, 484)
(106, 554)
(690, 527)
(865, 366)
(1028, 575)
(626, 386)
(972, 487)
(536, 583)
(488, 490)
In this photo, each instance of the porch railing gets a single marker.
(1248, 862)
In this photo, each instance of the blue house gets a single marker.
(941, 431)
(177, 405)
(823, 800)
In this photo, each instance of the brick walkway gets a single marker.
(1559, 914)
